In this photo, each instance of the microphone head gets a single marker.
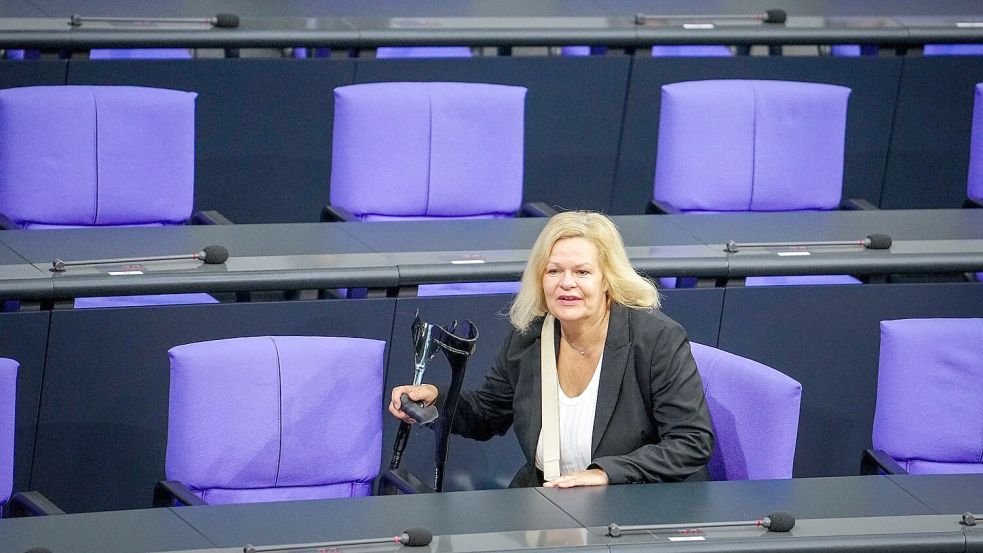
(878, 242)
(775, 16)
(214, 255)
(415, 537)
(779, 521)
(226, 20)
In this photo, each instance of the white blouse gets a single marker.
(576, 426)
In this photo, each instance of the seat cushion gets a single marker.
(96, 155)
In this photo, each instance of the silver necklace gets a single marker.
(581, 351)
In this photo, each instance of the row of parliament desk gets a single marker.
(92, 403)
(860, 513)
(406, 254)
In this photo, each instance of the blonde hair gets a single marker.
(625, 286)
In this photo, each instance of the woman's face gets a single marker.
(573, 284)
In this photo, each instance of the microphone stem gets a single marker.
(651, 527)
(320, 545)
(132, 260)
(800, 244)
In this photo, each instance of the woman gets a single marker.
(628, 405)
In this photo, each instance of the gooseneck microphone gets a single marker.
(770, 16)
(211, 255)
(224, 20)
(872, 242)
(779, 521)
(413, 537)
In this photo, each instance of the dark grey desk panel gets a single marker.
(827, 337)
(102, 429)
(913, 534)
(24, 338)
(20, 279)
(850, 496)
(342, 519)
(109, 532)
(267, 32)
(924, 240)
(261, 257)
(900, 224)
(945, 493)
(542, 541)
(41, 246)
(659, 246)
(958, 27)
(449, 235)
(492, 30)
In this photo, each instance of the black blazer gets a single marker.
(651, 423)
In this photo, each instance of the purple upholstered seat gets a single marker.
(974, 182)
(8, 398)
(755, 413)
(691, 51)
(98, 156)
(745, 145)
(438, 150)
(140, 54)
(953, 50)
(929, 412)
(752, 145)
(276, 418)
(423, 52)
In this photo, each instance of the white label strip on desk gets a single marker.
(969, 24)
(116, 273)
(467, 261)
(695, 26)
(687, 538)
(785, 254)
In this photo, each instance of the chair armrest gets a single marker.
(169, 492)
(336, 214)
(857, 204)
(400, 480)
(7, 224)
(973, 203)
(876, 461)
(210, 217)
(31, 504)
(537, 209)
(656, 207)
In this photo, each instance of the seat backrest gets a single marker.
(755, 414)
(974, 184)
(751, 145)
(953, 50)
(76, 156)
(140, 54)
(8, 403)
(691, 51)
(408, 150)
(384, 52)
(276, 418)
(929, 413)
